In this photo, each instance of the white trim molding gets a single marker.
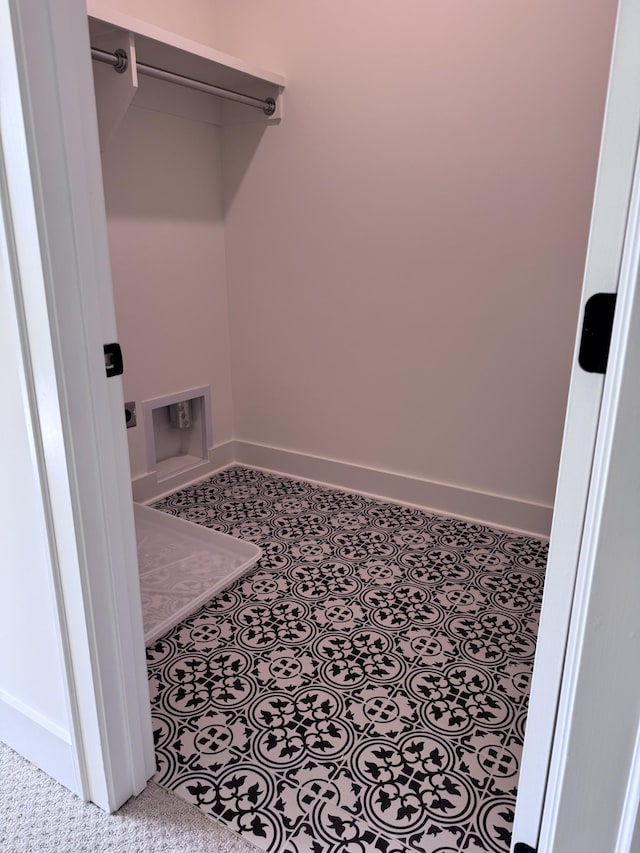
(57, 205)
(539, 788)
(499, 511)
(604, 643)
(511, 514)
(629, 829)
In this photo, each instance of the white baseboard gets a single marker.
(39, 740)
(148, 488)
(499, 511)
(506, 513)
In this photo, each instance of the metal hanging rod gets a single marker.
(120, 61)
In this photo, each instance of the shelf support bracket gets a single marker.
(114, 92)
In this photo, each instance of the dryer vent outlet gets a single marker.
(130, 414)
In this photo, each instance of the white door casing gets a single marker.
(576, 475)
(592, 771)
(85, 461)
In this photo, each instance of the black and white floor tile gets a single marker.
(365, 688)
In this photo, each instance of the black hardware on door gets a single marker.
(523, 848)
(113, 360)
(596, 332)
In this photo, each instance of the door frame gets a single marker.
(599, 694)
(564, 592)
(62, 280)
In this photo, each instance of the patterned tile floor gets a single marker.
(364, 688)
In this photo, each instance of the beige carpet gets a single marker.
(37, 815)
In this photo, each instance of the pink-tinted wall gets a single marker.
(194, 19)
(405, 251)
(163, 196)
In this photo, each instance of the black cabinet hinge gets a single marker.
(524, 848)
(113, 360)
(596, 334)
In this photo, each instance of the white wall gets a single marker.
(163, 196)
(405, 251)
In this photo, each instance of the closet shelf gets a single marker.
(153, 46)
